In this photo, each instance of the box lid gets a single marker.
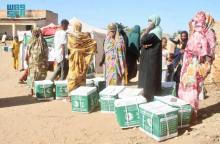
(83, 91)
(99, 79)
(171, 100)
(168, 84)
(111, 90)
(61, 82)
(157, 107)
(130, 101)
(43, 82)
(130, 92)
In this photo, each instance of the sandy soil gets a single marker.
(24, 120)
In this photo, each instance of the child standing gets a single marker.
(15, 52)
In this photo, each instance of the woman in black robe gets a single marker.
(132, 51)
(151, 59)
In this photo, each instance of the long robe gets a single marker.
(132, 52)
(150, 66)
(38, 58)
(115, 63)
(82, 48)
(196, 66)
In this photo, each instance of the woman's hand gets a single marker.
(150, 26)
(100, 64)
(147, 45)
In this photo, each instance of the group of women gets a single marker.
(197, 53)
(120, 59)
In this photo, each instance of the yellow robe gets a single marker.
(15, 54)
(82, 48)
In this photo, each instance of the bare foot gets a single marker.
(31, 93)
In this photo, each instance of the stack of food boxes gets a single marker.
(184, 109)
(44, 90)
(108, 97)
(84, 99)
(158, 120)
(61, 89)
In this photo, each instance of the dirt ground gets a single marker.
(24, 120)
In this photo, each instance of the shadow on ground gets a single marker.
(204, 113)
(18, 101)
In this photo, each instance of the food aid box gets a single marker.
(44, 90)
(130, 92)
(107, 98)
(99, 82)
(7, 49)
(61, 89)
(84, 99)
(158, 120)
(168, 88)
(127, 111)
(184, 109)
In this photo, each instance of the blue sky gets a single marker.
(174, 14)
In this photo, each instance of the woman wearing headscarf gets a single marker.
(37, 57)
(82, 49)
(132, 51)
(198, 57)
(151, 59)
(114, 57)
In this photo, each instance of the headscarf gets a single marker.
(37, 40)
(121, 32)
(157, 29)
(115, 49)
(77, 26)
(199, 22)
(210, 34)
(209, 21)
(134, 40)
(203, 41)
(112, 27)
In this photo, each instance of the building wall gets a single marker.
(38, 18)
(6, 28)
(3, 13)
(51, 17)
(20, 28)
(35, 13)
